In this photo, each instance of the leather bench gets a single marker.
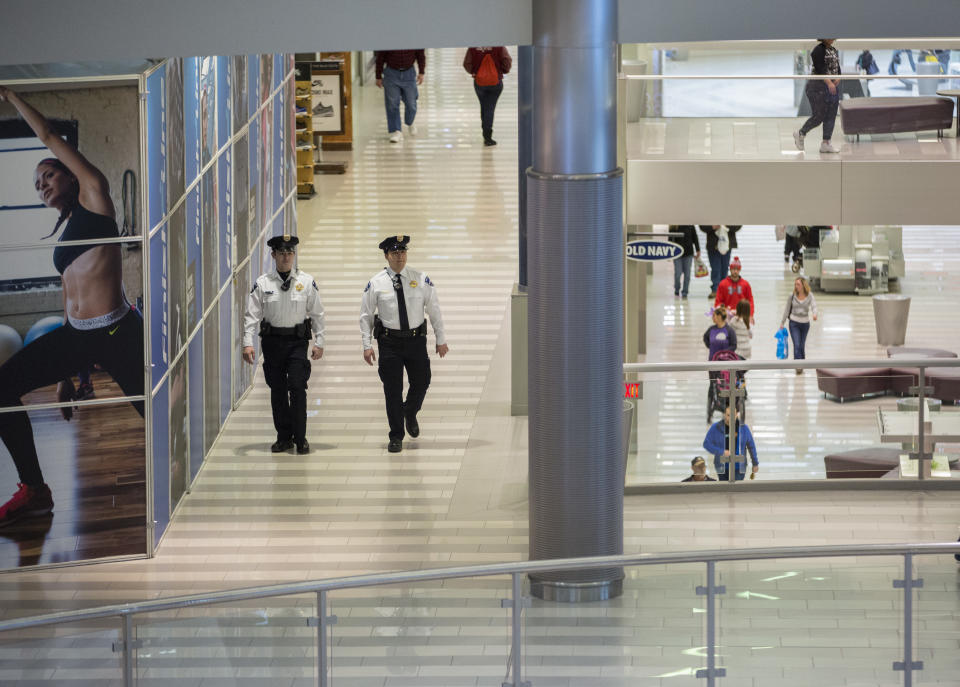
(893, 115)
(862, 463)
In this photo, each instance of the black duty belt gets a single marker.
(406, 333)
(299, 331)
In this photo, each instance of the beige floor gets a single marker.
(458, 494)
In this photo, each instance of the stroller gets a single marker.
(720, 381)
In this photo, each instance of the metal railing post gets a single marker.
(126, 640)
(322, 622)
(908, 665)
(711, 673)
(516, 604)
(921, 449)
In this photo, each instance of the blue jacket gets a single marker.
(715, 442)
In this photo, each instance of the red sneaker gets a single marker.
(28, 502)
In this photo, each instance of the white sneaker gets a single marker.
(412, 129)
(798, 139)
(395, 137)
(827, 147)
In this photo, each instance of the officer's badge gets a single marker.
(299, 287)
(400, 237)
(413, 283)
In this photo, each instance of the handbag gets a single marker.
(699, 268)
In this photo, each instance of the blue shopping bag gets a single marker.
(781, 337)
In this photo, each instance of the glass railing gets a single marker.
(795, 420)
(868, 614)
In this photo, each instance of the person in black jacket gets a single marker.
(719, 261)
(690, 243)
(823, 94)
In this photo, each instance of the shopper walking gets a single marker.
(721, 240)
(734, 289)
(690, 243)
(717, 442)
(793, 246)
(487, 66)
(823, 94)
(719, 336)
(285, 307)
(393, 311)
(740, 324)
(398, 77)
(800, 307)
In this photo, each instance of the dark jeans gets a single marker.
(719, 268)
(56, 356)
(681, 268)
(488, 96)
(395, 355)
(824, 106)
(286, 369)
(798, 334)
(792, 247)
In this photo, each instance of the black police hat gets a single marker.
(394, 243)
(283, 242)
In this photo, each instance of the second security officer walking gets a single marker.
(393, 311)
(285, 305)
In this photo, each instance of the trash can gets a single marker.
(890, 313)
(629, 416)
(927, 86)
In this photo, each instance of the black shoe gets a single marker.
(303, 447)
(489, 142)
(413, 427)
(395, 446)
(281, 446)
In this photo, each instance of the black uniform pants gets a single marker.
(395, 355)
(55, 356)
(286, 369)
(488, 96)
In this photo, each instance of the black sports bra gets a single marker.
(82, 226)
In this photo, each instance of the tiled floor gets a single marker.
(457, 495)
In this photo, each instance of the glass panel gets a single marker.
(654, 631)
(937, 614)
(62, 654)
(434, 633)
(230, 644)
(808, 622)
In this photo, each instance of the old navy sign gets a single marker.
(650, 251)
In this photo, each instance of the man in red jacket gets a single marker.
(733, 289)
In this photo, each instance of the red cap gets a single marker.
(736, 262)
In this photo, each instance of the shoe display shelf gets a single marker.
(304, 141)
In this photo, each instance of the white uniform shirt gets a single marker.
(268, 302)
(419, 296)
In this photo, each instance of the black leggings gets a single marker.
(56, 356)
(824, 106)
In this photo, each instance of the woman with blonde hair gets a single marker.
(800, 307)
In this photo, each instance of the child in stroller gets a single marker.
(720, 381)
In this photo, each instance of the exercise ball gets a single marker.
(10, 342)
(42, 326)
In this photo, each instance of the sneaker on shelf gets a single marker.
(27, 502)
(84, 392)
(395, 137)
(303, 91)
(301, 110)
(412, 129)
(828, 147)
(322, 110)
(798, 139)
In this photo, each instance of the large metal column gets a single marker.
(575, 320)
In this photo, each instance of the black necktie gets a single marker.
(401, 303)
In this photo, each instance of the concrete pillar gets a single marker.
(575, 304)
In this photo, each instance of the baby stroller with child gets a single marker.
(720, 382)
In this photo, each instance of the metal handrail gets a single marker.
(789, 364)
(522, 567)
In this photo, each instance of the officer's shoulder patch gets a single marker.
(368, 287)
(426, 280)
(315, 287)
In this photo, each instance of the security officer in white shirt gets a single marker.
(392, 311)
(285, 305)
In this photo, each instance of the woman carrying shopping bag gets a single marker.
(800, 307)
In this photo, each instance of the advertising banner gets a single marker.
(225, 207)
(75, 456)
(253, 84)
(211, 382)
(253, 179)
(279, 160)
(224, 103)
(160, 428)
(210, 231)
(177, 271)
(238, 89)
(241, 196)
(191, 105)
(229, 356)
(265, 200)
(208, 109)
(179, 435)
(157, 306)
(175, 132)
(194, 303)
(156, 146)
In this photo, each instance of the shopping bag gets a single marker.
(723, 241)
(781, 231)
(781, 337)
(699, 268)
